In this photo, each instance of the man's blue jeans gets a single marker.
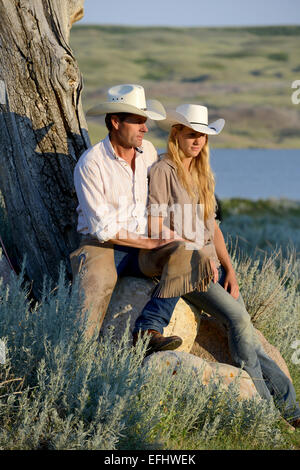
(157, 312)
(245, 347)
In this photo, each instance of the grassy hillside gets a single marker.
(241, 74)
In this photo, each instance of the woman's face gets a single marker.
(191, 142)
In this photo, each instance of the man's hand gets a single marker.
(151, 243)
(125, 238)
(230, 284)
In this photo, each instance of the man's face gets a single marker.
(130, 132)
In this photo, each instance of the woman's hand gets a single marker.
(230, 284)
(215, 271)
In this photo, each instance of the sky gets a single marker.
(192, 12)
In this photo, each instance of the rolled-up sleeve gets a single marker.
(100, 216)
(158, 192)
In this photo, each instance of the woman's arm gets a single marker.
(230, 283)
(158, 230)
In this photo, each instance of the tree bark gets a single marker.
(43, 131)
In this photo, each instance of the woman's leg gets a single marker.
(232, 313)
(245, 346)
(279, 385)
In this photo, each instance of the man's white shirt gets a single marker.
(111, 196)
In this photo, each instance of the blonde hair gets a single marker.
(200, 172)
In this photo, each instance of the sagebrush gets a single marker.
(59, 391)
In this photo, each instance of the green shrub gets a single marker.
(77, 394)
(279, 56)
(270, 291)
(59, 391)
(262, 227)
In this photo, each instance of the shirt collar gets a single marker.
(109, 148)
(166, 159)
(111, 152)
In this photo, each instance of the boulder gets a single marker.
(129, 298)
(211, 344)
(204, 371)
(202, 335)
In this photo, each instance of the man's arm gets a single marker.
(157, 229)
(99, 214)
(125, 238)
(230, 283)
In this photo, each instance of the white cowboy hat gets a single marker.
(194, 116)
(129, 99)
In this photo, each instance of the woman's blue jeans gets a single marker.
(245, 347)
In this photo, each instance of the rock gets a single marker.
(130, 296)
(198, 366)
(185, 322)
(202, 335)
(211, 344)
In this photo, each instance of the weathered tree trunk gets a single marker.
(42, 130)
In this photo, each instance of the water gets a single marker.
(256, 173)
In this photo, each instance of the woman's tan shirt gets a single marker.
(169, 199)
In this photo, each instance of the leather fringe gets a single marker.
(176, 287)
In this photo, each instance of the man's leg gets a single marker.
(94, 264)
(154, 317)
(157, 312)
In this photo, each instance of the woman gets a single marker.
(183, 179)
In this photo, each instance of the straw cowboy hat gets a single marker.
(194, 116)
(129, 99)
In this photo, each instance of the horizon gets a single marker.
(121, 25)
(193, 13)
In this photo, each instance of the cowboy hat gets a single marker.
(129, 99)
(194, 116)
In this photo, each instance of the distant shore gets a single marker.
(242, 74)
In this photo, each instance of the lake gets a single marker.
(256, 173)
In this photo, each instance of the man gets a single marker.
(111, 185)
